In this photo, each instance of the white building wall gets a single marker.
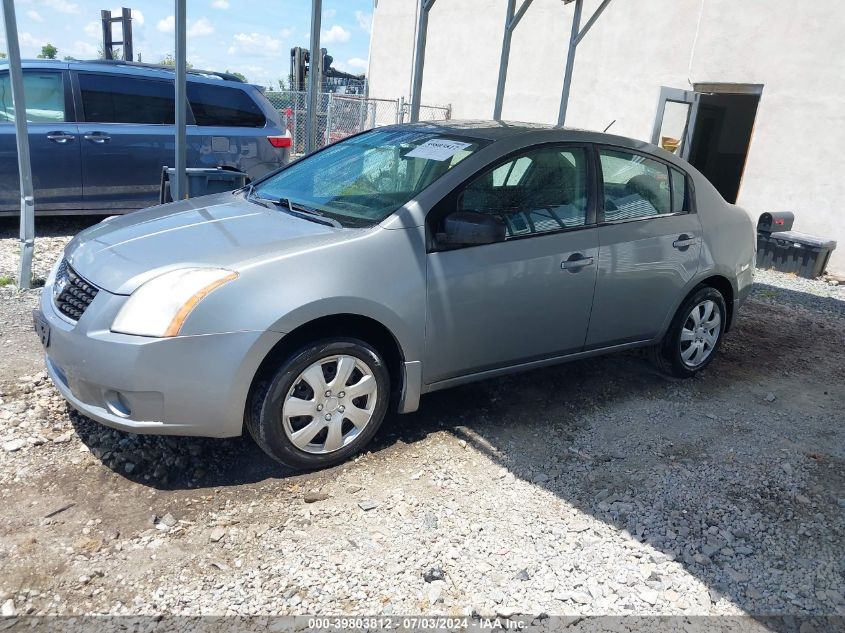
(795, 50)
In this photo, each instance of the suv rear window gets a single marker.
(124, 99)
(224, 107)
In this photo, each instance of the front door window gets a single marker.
(537, 192)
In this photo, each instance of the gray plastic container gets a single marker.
(202, 181)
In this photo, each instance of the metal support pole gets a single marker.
(575, 38)
(503, 63)
(27, 225)
(512, 19)
(180, 191)
(363, 107)
(570, 62)
(314, 62)
(419, 58)
(329, 119)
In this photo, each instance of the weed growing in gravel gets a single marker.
(5, 280)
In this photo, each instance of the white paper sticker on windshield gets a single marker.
(437, 149)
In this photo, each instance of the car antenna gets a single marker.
(608, 126)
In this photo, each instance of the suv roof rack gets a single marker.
(191, 71)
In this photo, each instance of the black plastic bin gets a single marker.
(794, 252)
(202, 181)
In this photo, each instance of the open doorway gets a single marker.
(711, 128)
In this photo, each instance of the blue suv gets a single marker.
(100, 132)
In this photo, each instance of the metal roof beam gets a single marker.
(576, 35)
(592, 21)
(512, 19)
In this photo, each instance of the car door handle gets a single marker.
(60, 137)
(97, 137)
(683, 242)
(575, 264)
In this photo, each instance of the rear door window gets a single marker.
(125, 99)
(634, 186)
(223, 107)
(44, 93)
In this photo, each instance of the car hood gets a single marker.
(223, 230)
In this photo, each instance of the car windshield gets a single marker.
(362, 180)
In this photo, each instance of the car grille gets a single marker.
(71, 293)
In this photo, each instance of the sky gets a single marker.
(253, 37)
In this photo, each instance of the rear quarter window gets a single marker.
(44, 94)
(223, 106)
(680, 195)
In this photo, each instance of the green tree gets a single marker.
(48, 51)
(170, 60)
(69, 58)
(2, 55)
(240, 76)
(282, 85)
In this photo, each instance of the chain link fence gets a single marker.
(339, 115)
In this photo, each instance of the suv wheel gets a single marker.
(324, 404)
(694, 335)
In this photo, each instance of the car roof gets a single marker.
(131, 68)
(495, 130)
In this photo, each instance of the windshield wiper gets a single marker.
(294, 208)
(308, 213)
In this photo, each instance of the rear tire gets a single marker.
(322, 405)
(694, 335)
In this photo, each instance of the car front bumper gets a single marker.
(184, 385)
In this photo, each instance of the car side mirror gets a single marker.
(466, 228)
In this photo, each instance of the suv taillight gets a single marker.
(279, 141)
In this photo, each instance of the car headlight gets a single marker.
(160, 306)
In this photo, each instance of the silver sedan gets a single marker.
(397, 262)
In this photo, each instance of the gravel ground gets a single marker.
(597, 487)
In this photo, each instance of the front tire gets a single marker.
(322, 405)
(694, 335)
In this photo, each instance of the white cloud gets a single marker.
(256, 43)
(365, 21)
(195, 28)
(81, 50)
(94, 29)
(286, 33)
(28, 39)
(352, 65)
(199, 28)
(329, 13)
(220, 4)
(34, 15)
(62, 6)
(335, 34)
(167, 25)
